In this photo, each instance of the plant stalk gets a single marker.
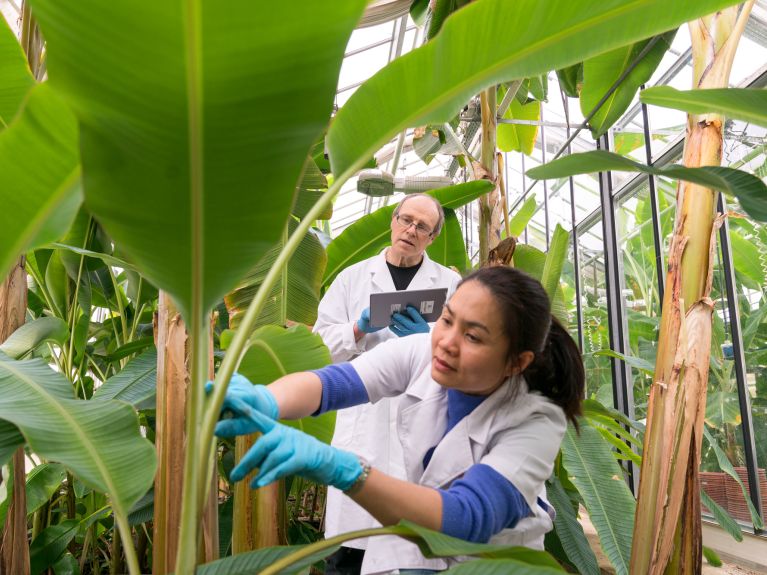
(489, 222)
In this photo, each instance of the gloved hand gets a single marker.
(283, 450)
(408, 323)
(241, 399)
(364, 322)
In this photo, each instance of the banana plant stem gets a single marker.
(194, 481)
(130, 552)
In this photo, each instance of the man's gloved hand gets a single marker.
(408, 323)
(283, 450)
(241, 399)
(363, 323)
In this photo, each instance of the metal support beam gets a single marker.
(660, 267)
(739, 359)
(623, 390)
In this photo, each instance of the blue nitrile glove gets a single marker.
(408, 323)
(241, 398)
(283, 450)
(364, 322)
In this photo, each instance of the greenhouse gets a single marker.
(383, 287)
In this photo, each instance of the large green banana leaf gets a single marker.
(187, 109)
(593, 470)
(274, 351)
(135, 384)
(448, 248)
(371, 233)
(15, 76)
(517, 40)
(99, 441)
(311, 187)
(295, 296)
(42, 482)
(500, 567)
(522, 217)
(10, 439)
(36, 332)
(750, 190)
(39, 175)
(569, 531)
(601, 72)
(431, 544)
(542, 266)
(747, 104)
(519, 137)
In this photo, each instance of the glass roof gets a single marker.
(370, 48)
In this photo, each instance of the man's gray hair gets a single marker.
(440, 211)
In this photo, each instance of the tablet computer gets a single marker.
(428, 302)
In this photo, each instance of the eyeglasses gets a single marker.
(407, 221)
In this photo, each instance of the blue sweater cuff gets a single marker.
(341, 387)
(480, 504)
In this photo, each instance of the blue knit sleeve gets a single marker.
(341, 387)
(481, 504)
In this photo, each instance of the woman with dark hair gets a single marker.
(486, 400)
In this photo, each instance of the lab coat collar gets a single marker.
(426, 276)
(456, 451)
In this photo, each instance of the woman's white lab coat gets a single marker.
(368, 430)
(514, 431)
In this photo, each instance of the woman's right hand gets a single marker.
(241, 399)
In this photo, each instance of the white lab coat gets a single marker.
(367, 430)
(516, 432)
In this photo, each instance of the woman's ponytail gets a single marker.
(557, 371)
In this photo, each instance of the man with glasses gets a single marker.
(343, 321)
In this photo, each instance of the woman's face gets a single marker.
(469, 347)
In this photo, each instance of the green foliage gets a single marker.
(723, 518)
(27, 337)
(448, 248)
(17, 78)
(569, 531)
(82, 435)
(593, 470)
(295, 296)
(519, 137)
(747, 104)
(39, 175)
(210, 141)
(601, 72)
(459, 63)
(136, 383)
(749, 189)
(522, 217)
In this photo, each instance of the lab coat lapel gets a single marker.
(380, 275)
(421, 421)
(426, 276)
(464, 445)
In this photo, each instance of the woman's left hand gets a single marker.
(282, 450)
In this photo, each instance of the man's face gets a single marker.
(410, 241)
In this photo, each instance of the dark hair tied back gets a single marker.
(557, 369)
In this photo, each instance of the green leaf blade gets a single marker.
(98, 441)
(39, 175)
(599, 479)
(224, 114)
(433, 82)
(746, 104)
